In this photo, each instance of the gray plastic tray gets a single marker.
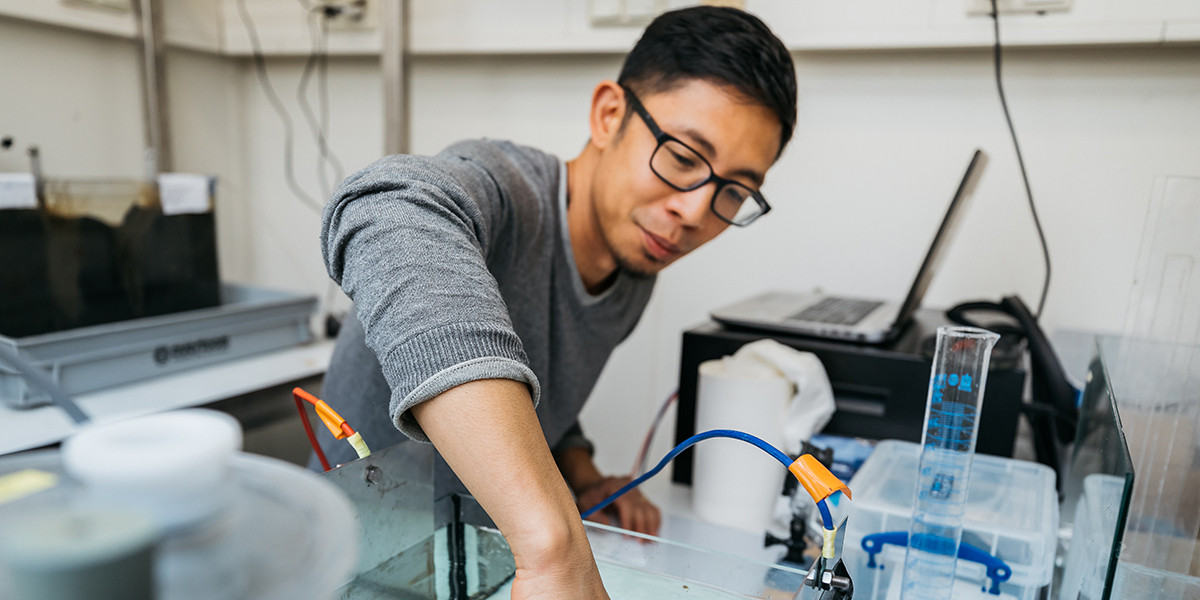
(248, 321)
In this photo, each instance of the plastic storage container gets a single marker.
(1011, 513)
(248, 321)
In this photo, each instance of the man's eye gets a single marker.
(683, 161)
(733, 195)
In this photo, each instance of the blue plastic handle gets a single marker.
(997, 570)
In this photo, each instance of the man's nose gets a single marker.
(692, 206)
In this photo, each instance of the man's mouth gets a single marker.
(659, 248)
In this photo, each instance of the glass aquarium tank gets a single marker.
(101, 251)
(417, 545)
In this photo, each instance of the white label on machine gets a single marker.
(17, 190)
(183, 193)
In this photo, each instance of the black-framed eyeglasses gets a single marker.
(685, 169)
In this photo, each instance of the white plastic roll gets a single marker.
(174, 465)
(734, 483)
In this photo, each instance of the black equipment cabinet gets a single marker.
(880, 390)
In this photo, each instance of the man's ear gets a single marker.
(608, 113)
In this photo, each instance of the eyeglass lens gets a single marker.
(683, 168)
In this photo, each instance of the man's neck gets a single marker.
(593, 258)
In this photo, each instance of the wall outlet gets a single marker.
(1008, 7)
(350, 15)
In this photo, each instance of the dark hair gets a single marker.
(722, 45)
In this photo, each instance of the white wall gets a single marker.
(78, 101)
(882, 139)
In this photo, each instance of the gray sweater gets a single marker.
(460, 268)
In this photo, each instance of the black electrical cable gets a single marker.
(260, 67)
(302, 98)
(318, 60)
(1020, 161)
(316, 56)
(323, 91)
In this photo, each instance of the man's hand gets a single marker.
(574, 576)
(489, 434)
(631, 511)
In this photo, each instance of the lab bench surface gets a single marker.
(24, 429)
(680, 523)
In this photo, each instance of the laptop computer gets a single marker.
(857, 319)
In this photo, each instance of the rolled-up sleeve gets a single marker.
(406, 240)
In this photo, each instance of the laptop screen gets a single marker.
(937, 250)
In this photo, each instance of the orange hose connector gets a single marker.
(337, 426)
(816, 479)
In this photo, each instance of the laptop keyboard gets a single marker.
(837, 311)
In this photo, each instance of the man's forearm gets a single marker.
(488, 432)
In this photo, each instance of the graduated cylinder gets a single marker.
(956, 384)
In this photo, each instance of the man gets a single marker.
(493, 278)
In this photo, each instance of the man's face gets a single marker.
(645, 223)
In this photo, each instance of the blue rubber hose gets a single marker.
(826, 517)
(777, 454)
